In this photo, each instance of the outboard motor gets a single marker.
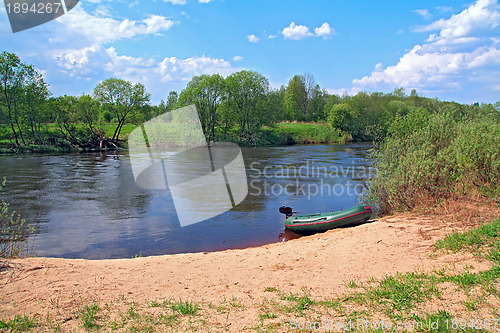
(286, 210)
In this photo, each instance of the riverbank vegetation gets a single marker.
(433, 155)
(14, 232)
(240, 108)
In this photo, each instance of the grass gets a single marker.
(89, 316)
(299, 303)
(311, 132)
(278, 134)
(397, 294)
(14, 231)
(18, 324)
(487, 235)
(185, 308)
(421, 300)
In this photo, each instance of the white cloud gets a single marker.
(465, 50)
(253, 39)
(296, 32)
(299, 32)
(176, 2)
(444, 9)
(97, 29)
(238, 58)
(172, 68)
(324, 31)
(424, 13)
(204, 1)
(83, 52)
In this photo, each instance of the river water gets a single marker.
(89, 206)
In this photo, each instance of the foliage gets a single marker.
(437, 155)
(310, 133)
(206, 92)
(240, 108)
(121, 98)
(22, 93)
(14, 231)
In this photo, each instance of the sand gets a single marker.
(322, 263)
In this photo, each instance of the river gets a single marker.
(89, 206)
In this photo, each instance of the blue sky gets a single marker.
(444, 49)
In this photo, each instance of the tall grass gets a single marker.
(14, 231)
(432, 156)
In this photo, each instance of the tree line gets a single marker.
(237, 108)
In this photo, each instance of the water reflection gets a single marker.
(88, 206)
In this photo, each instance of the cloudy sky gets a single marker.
(442, 48)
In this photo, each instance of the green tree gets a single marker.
(340, 116)
(122, 98)
(206, 92)
(296, 98)
(276, 104)
(34, 96)
(65, 109)
(172, 99)
(316, 104)
(22, 90)
(246, 98)
(88, 113)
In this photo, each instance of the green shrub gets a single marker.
(433, 156)
(14, 231)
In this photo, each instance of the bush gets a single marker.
(14, 231)
(429, 157)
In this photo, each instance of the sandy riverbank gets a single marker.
(322, 264)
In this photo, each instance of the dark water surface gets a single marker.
(88, 205)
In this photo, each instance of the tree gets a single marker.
(35, 95)
(246, 97)
(340, 116)
(276, 104)
(172, 100)
(206, 92)
(296, 98)
(88, 113)
(121, 98)
(66, 112)
(316, 104)
(21, 93)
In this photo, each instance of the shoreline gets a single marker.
(321, 264)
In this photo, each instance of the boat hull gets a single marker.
(308, 224)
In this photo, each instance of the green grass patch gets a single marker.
(185, 308)
(399, 293)
(89, 316)
(476, 240)
(18, 324)
(109, 129)
(267, 315)
(300, 303)
(312, 133)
